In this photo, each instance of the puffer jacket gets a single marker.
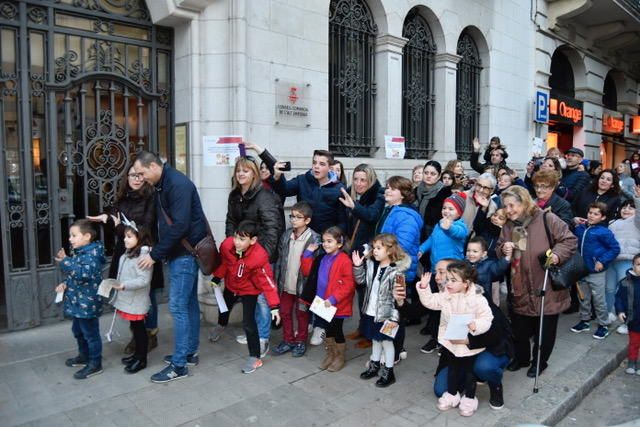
(597, 243)
(263, 208)
(405, 222)
(627, 233)
(249, 274)
(281, 266)
(470, 302)
(628, 300)
(364, 216)
(446, 243)
(364, 276)
(134, 298)
(581, 202)
(340, 286)
(83, 271)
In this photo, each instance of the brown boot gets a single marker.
(152, 335)
(354, 335)
(363, 343)
(338, 361)
(330, 344)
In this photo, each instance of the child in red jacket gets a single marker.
(330, 277)
(247, 273)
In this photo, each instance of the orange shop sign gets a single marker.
(565, 110)
(612, 123)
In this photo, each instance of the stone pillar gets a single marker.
(444, 126)
(388, 88)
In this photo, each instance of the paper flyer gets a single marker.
(394, 147)
(388, 329)
(457, 327)
(59, 296)
(220, 150)
(318, 307)
(222, 306)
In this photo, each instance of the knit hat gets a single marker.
(458, 200)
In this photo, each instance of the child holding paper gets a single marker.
(461, 297)
(383, 268)
(330, 277)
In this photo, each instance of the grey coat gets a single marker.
(134, 299)
(385, 307)
(283, 256)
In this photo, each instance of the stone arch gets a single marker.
(434, 25)
(576, 61)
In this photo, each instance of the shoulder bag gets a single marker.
(565, 275)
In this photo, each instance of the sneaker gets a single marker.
(496, 400)
(318, 336)
(623, 329)
(631, 368)
(503, 288)
(612, 318)
(581, 326)
(88, 371)
(170, 373)
(192, 359)
(251, 365)
(77, 361)
(216, 333)
(264, 348)
(282, 348)
(601, 333)
(429, 346)
(299, 350)
(241, 339)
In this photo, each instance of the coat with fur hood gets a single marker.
(134, 298)
(469, 302)
(364, 276)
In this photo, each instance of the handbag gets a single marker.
(205, 252)
(565, 275)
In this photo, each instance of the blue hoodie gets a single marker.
(596, 243)
(446, 243)
(405, 222)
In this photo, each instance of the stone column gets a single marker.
(444, 126)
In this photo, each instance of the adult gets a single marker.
(498, 157)
(338, 168)
(416, 175)
(430, 196)
(572, 178)
(548, 164)
(135, 201)
(180, 216)
(364, 202)
(627, 183)
(479, 200)
(457, 168)
(544, 184)
(634, 161)
(524, 234)
(605, 188)
(448, 178)
(595, 167)
(494, 143)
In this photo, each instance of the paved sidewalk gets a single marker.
(37, 389)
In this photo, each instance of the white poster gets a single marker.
(220, 150)
(394, 147)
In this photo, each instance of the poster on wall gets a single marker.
(394, 147)
(220, 150)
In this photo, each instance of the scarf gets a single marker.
(519, 237)
(424, 193)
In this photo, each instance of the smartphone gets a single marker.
(243, 149)
(286, 167)
(400, 279)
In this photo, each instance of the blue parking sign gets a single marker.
(542, 107)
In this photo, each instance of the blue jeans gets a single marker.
(616, 272)
(87, 334)
(263, 318)
(151, 321)
(487, 367)
(184, 307)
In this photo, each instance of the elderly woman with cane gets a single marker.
(525, 233)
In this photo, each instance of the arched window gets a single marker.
(561, 79)
(417, 86)
(467, 96)
(352, 36)
(610, 95)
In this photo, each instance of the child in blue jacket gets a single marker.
(598, 247)
(628, 309)
(488, 270)
(449, 234)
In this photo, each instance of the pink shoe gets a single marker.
(448, 401)
(468, 406)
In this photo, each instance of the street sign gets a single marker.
(542, 107)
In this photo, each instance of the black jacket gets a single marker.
(482, 167)
(581, 202)
(561, 208)
(575, 181)
(262, 207)
(433, 212)
(181, 202)
(365, 215)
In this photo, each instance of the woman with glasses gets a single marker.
(479, 200)
(544, 183)
(135, 201)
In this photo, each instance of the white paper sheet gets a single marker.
(104, 290)
(457, 328)
(59, 296)
(388, 330)
(318, 307)
(222, 306)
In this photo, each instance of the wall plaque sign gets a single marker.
(292, 104)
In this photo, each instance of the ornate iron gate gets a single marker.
(84, 84)
(467, 96)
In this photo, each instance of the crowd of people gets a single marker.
(441, 247)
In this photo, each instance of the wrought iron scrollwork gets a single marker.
(104, 27)
(16, 216)
(351, 84)
(164, 102)
(164, 36)
(141, 75)
(65, 67)
(37, 15)
(8, 10)
(9, 84)
(37, 84)
(42, 213)
(129, 8)
(103, 56)
(353, 14)
(467, 96)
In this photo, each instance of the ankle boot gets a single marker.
(152, 335)
(330, 344)
(386, 377)
(338, 360)
(135, 366)
(372, 370)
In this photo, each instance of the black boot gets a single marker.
(386, 377)
(135, 366)
(515, 365)
(128, 360)
(496, 401)
(372, 370)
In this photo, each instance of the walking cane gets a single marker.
(542, 294)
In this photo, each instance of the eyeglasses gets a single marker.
(483, 187)
(135, 176)
(541, 187)
(296, 217)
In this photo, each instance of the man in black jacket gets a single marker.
(573, 178)
(180, 216)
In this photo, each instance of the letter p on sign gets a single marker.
(542, 107)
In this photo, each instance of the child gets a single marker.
(628, 308)
(379, 276)
(247, 273)
(290, 279)
(330, 277)
(488, 270)
(449, 235)
(489, 228)
(132, 300)
(598, 247)
(83, 270)
(460, 296)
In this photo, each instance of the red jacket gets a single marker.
(250, 274)
(341, 285)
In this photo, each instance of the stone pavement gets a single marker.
(36, 388)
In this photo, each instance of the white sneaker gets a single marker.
(503, 288)
(612, 318)
(623, 329)
(241, 339)
(318, 336)
(264, 348)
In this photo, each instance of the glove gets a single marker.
(275, 315)
(215, 281)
